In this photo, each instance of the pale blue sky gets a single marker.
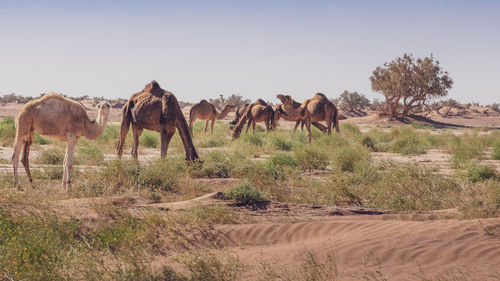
(200, 49)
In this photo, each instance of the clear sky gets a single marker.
(200, 49)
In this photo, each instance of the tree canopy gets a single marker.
(352, 101)
(407, 82)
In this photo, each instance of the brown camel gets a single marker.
(238, 112)
(58, 118)
(279, 113)
(207, 111)
(157, 110)
(316, 109)
(258, 111)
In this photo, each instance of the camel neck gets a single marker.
(95, 128)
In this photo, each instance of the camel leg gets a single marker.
(191, 121)
(166, 135)
(212, 127)
(26, 153)
(68, 162)
(296, 126)
(18, 146)
(253, 127)
(308, 127)
(329, 119)
(248, 125)
(206, 126)
(267, 125)
(124, 127)
(137, 131)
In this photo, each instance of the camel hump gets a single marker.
(261, 101)
(321, 95)
(204, 101)
(153, 85)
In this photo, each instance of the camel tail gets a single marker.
(336, 119)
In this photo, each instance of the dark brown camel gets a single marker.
(156, 110)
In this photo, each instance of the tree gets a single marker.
(352, 101)
(407, 82)
(234, 99)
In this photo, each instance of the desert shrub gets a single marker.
(256, 139)
(245, 194)
(215, 165)
(39, 139)
(213, 141)
(281, 144)
(348, 158)
(495, 154)
(89, 155)
(350, 129)
(56, 173)
(279, 164)
(476, 172)
(52, 156)
(7, 131)
(253, 172)
(110, 135)
(410, 144)
(466, 149)
(149, 139)
(481, 200)
(370, 143)
(159, 175)
(311, 158)
(206, 265)
(353, 101)
(35, 246)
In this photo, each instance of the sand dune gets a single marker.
(400, 249)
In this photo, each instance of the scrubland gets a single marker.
(115, 223)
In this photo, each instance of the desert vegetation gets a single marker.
(63, 242)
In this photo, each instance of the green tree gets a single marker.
(352, 101)
(407, 82)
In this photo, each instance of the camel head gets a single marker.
(285, 99)
(103, 106)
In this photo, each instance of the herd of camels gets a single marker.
(154, 109)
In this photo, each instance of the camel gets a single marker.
(157, 110)
(279, 113)
(238, 112)
(60, 118)
(316, 109)
(207, 111)
(258, 111)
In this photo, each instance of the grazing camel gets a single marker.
(280, 113)
(258, 111)
(316, 109)
(58, 118)
(156, 110)
(207, 111)
(238, 112)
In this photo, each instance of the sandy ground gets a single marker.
(398, 245)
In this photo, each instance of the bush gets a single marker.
(406, 141)
(256, 139)
(495, 154)
(281, 144)
(89, 155)
(7, 131)
(245, 194)
(215, 165)
(310, 158)
(348, 157)
(213, 141)
(39, 139)
(51, 156)
(370, 143)
(279, 163)
(465, 149)
(159, 175)
(476, 172)
(149, 139)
